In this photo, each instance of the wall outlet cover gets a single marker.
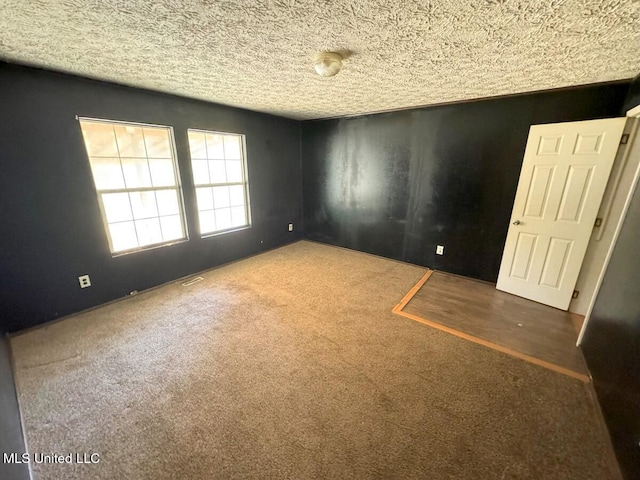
(291, 227)
(440, 250)
(85, 281)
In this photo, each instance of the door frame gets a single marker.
(634, 144)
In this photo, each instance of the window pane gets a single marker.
(234, 171)
(205, 200)
(171, 228)
(221, 197)
(162, 174)
(167, 202)
(130, 141)
(238, 216)
(217, 171)
(207, 222)
(143, 204)
(215, 147)
(236, 195)
(197, 145)
(116, 207)
(136, 172)
(148, 231)
(99, 139)
(107, 173)
(223, 218)
(200, 172)
(123, 236)
(157, 142)
(232, 147)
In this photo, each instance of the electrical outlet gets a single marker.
(440, 250)
(84, 281)
(291, 227)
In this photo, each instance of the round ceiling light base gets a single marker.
(327, 64)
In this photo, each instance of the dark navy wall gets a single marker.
(11, 436)
(398, 184)
(611, 344)
(51, 229)
(633, 95)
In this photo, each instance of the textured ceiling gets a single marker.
(258, 54)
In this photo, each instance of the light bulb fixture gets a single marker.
(327, 64)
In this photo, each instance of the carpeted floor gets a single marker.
(291, 365)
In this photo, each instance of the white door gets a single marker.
(564, 174)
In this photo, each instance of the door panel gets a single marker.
(556, 262)
(523, 256)
(564, 174)
(576, 190)
(588, 144)
(550, 144)
(538, 191)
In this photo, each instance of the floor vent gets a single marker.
(191, 281)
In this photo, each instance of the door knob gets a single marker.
(517, 222)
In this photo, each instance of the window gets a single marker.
(218, 163)
(134, 170)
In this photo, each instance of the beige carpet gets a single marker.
(291, 365)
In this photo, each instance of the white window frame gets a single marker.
(177, 187)
(244, 182)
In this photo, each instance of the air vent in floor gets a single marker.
(191, 281)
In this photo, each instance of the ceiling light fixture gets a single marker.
(327, 64)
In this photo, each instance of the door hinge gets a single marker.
(576, 293)
(624, 139)
(598, 222)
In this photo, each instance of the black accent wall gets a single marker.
(633, 95)
(398, 184)
(611, 344)
(11, 436)
(51, 228)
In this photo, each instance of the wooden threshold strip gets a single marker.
(407, 298)
(514, 353)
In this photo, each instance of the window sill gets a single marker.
(223, 232)
(148, 247)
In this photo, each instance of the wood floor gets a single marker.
(478, 312)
